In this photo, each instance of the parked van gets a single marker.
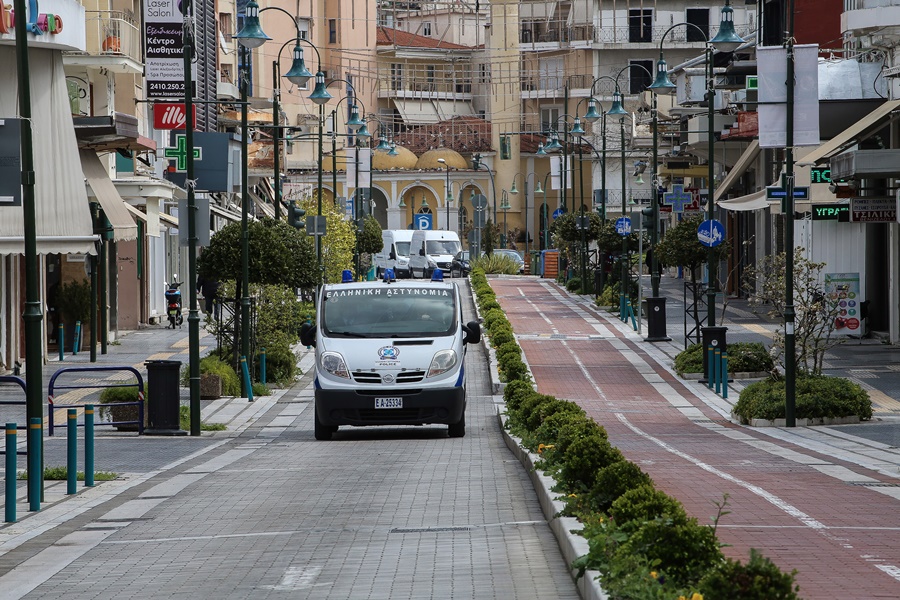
(390, 353)
(432, 249)
(395, 253)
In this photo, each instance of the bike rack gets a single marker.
(21, 383)
(140, 385)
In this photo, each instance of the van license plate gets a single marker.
(388, 402)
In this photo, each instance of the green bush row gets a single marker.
(641, 540)
(498, 330)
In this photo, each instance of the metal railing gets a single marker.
(548, 33)
(112, 33)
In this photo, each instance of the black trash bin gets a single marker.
(163, 397)
(656, 320)
(715, 337)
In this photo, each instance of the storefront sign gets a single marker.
(163, 40)
(873, 210)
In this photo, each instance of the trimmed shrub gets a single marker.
(528, 405)
(611, 483)
(584, 458)
(492, 316)
(549, 431)
(500, 334)
(685, 551)
(508, 348)
(515, 393)
(743, 357)
(490, 303)
(119, 394)
(546, 409)
(281, 364)
(817, 396)
(574, 285)
(644, 503)
(759, 579)
(512, 367)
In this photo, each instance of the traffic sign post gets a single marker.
(711, 233)
(623, 226)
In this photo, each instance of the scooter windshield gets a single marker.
(389, 311)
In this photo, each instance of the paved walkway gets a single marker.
(818, 500)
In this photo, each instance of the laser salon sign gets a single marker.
(164, 41)
(37, 23)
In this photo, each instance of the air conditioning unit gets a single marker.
(691, 90)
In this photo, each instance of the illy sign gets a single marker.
(171, 115)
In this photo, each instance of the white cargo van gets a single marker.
(394, 253)
(432, 249)
(390, 353)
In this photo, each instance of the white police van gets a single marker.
(390, 353)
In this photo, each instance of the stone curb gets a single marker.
(571, 544)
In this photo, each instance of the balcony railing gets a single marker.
(555, 82)
(439, 86)
(561, 33)
(112, 33)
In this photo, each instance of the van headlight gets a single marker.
(333, 363)
(442, 362)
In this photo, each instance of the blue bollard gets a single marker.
(248, 384)
(88, 445)
(725, 372)
(710, 368)
(71, 450)
(262, 365)
(34, 464)
(62, 342)
(10, 498)
(717, 365)
(77, 343)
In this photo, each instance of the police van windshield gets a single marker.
(389, 311)
(438, 247)
(403, 248)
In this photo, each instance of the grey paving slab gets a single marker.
(401, 512)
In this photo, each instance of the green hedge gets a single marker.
(817, 396)
(640, 540)
(743, 357)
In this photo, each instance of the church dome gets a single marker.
(429, 159)
(404, 160)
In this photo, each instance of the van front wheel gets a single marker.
(322, 432)
(458, 429)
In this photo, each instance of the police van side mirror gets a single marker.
(308, 334)
(473, 332)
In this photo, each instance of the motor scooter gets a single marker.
(173, 303)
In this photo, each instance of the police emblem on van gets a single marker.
(389, 353)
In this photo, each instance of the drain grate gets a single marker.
(873, 484)
(428, 529)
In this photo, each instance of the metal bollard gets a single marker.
(77, 343)
(309, 322)
(709, 367)
(262, 365)
(88, 445)
(725, 372)
(71, 450)
(717, 369)
(248, 384)
(62, 342)
(34, 464)
(11, 445)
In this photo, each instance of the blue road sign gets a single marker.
(778, 193)
(423, 221)
(558, 213)
(711, 233)
(623, 226)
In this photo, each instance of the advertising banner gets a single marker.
(843, 290)
(164, 45)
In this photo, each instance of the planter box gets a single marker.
(210, 386)
(851, 420)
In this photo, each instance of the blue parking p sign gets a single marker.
(423, 222)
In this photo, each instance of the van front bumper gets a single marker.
(420, 407)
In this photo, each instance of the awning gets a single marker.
(417, 112)
(225, 214)
(739, 168)
(136, 213)
(754, 201)
(860, 130)
(264, 207)
(447, 109)
(96, 177)
(689, 171)
(168, 219)
(62, 213)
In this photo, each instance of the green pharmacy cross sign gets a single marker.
(179, 153)
(678, 198)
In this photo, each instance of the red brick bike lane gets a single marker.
(833, 521)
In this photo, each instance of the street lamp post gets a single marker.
(476, 164)
(726, 40)
(448, 193)
(504, 206)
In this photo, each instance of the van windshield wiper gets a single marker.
(354, 334)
